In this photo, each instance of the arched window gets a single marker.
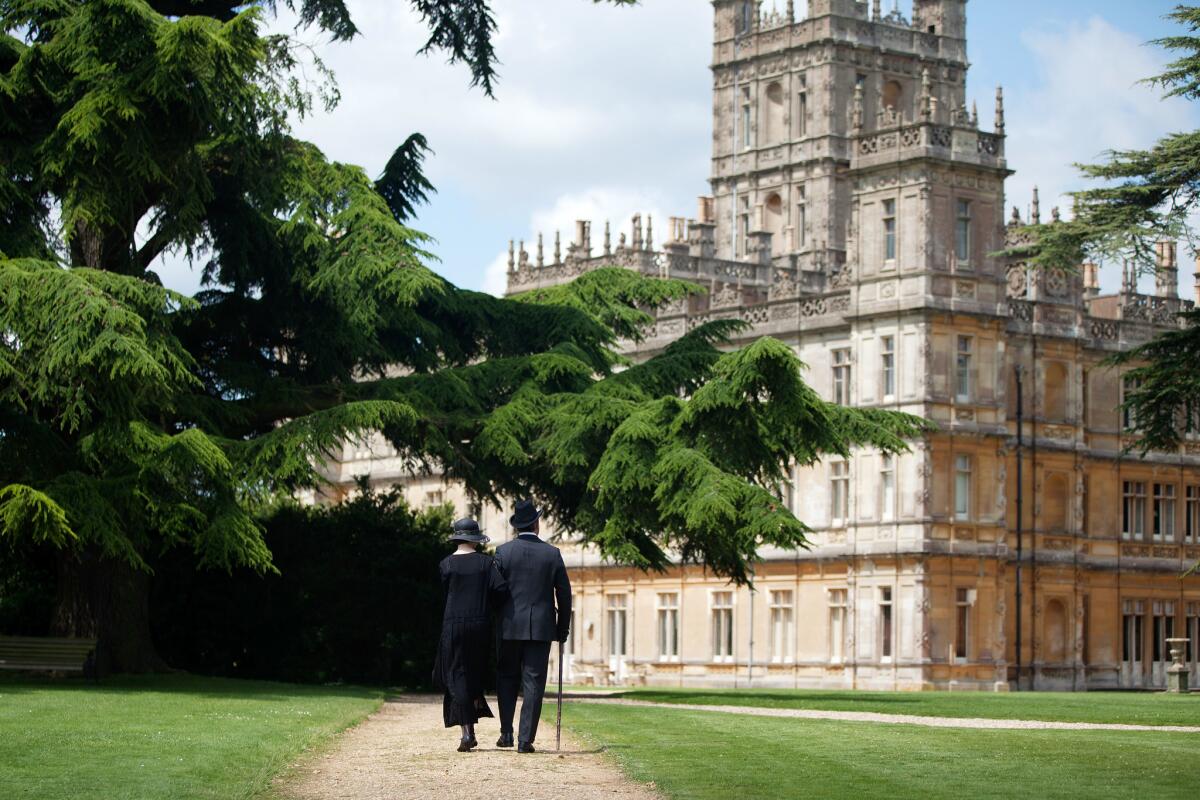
(1054, 641)
(1055, 503)
(773, 222)
(893, 95)
(774, 114)
(1056, 391)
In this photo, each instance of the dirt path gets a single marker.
(403, 752)
(896, 719)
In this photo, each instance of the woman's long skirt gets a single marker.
(461, 663)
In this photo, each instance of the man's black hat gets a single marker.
(525, 513)
(467, 530)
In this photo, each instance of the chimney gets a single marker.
(705, 213)
(999, 111)
(1166, 270)
(1091, 280)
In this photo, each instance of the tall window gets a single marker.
(962, 232)
(887, 365)
(616, 624)
(722, 626)
(1133, 510)
(887, 487)
(802, 115)
(1164, 512)
(1191, 515)
(885, 623)
(962, 365)
(1131, 630)
(1128, 417)
(839, 491)
(962, 622)
(837, 625)
(802, 220)
(962, 487)
(1193, 632)
(744, 226)
(889, 230)
(841, 376)
(746, 115)
(782, 637)
(668, 626)
(1164, 628)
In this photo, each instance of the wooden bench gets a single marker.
(45, 654)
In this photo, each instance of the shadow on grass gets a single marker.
(180, 683)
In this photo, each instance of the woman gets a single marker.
(472, 586)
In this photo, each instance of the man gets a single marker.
(537, 578)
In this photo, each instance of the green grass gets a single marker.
(1133, 708)
(694, 755)
(163, 736)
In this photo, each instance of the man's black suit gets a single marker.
(529, 622)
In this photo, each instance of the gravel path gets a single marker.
(403, 752)
(896, 719)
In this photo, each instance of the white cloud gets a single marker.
(597, 205)
(1088, 100)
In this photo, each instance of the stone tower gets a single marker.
(790, 98)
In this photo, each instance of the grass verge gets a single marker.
(163, 736)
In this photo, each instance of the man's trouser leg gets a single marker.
(508, 678)
(535, 661)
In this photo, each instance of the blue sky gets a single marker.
(603, 112)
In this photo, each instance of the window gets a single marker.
(722, 626)
(889, 230)
(802, 220)
(887, 487)
(747, 19)
(1164, 512)
(746, 112)
(668, 626)
(1131, 639)
(1087, 626)
(616, 624)
(781, 626)
(837, 625)
(893, 93)
(1191, 515)
(571, 636)
(841, 376)
(962, 622)
(744, 225)
(802, 115)
(887, 365)
(962, 487)
(962, 232)
(1133, 510)
(962, 365)
(1193, 632)
(435, 498)
(839, 491)
(1128, 417)
(1164, 628)
(885, 623)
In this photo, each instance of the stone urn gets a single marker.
(1177, 673)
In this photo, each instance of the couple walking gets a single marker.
(524, 582)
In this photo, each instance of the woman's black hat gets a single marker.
(467, 530)
(525, 513)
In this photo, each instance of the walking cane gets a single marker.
(558, 724)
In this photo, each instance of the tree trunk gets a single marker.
(108, 600)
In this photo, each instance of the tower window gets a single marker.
(962, 232)
(889, 230)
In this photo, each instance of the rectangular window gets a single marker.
(885, 623)
(1131, 638)
(887, 365)
(962, 622)
(962, 487)
(1164, 512)
(962, 377)
(1164, 628)
(1193, 633)
(1087, 627)
(616, 624)
(722, 626)
(887, 487)
(962, 232)
(839, 491)
(1133, 510)
(782, 614)
(746, 116)
(889, 230)
(668, 626)
(841, 376)
(1191, 515)
(1128, 417)
(802, 115)
(802, 220)
(837, 625)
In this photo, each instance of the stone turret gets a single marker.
(1166, 270)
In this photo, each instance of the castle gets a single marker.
(856, 212)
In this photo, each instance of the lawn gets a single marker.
(162, 736)
(693, 755)
(1134, 708)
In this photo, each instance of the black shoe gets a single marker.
(465, 745)
(525, 747)
(505, 740)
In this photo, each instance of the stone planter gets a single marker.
(1177, 673)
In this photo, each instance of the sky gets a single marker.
(603, 112)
